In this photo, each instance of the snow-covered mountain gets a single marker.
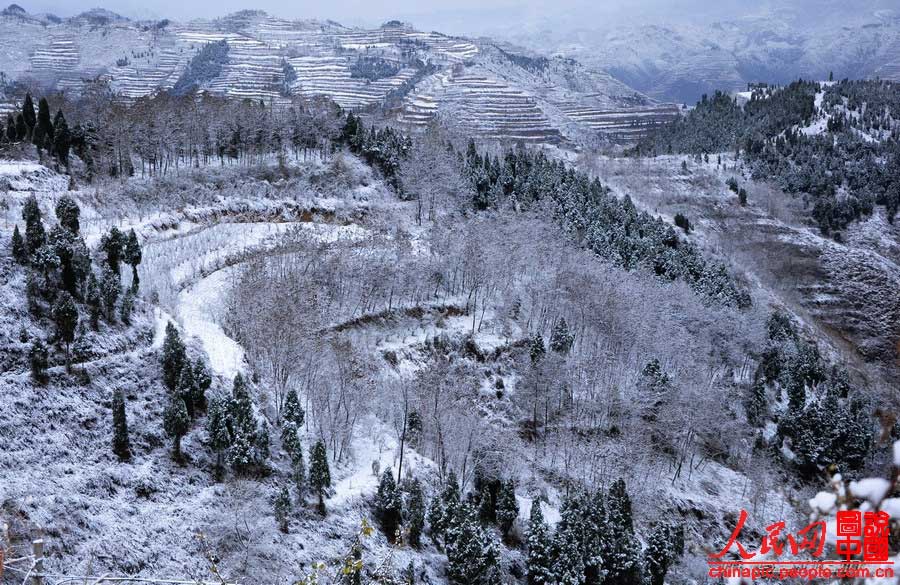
(418, 76)
(681, 61)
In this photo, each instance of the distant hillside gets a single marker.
(680, 62)
(484, 90)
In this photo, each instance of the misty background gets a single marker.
(492, 17)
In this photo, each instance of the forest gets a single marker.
(842, 167)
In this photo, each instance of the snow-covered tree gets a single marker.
(68, 214)
(217, 429)
(292, 411)
(473, 556)
(561, 339)
(176, 422)
(507, 507)
(17, 247)
(132, 256)
(112, 243)
(414, 512)
(282, 507)
(38, 357)
(539, 560)
(121, 446)
(65, 317)
(173, 357)
(319, 473)
(388, 504)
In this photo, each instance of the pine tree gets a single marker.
(68, 214)
(11, 133)
(176, 422)
(203, 381)
(661, 552)
(388, 505)
(65, 317)
(755, 404)
(507, 507)
(292, 411)
(473, 556)
(188, 389)
(94, 300)
(561, 339)
(487, 511)
(127, 307)
(566, 549)
(173, 357)
(443, 508)
(537, 349)
(21, 128)
(112, 244)
(19, 251)
(110, 289)
(35, 236)
(133, 257)
(539, 560)
(415, 513)
(217, 429)
(43, 128)
(622, 561)
(282, 507)
(62, 139)
(28, 116)
(38, 358)
(121, 445)
(319, 473)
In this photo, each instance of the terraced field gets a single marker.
(478, 88)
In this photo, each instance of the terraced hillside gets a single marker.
(480, 88)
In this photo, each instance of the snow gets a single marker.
(892, 507)
(823, 502)
(199, 309)
(873, 489)
(897, 454)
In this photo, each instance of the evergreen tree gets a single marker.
(34, 227)
(537, 349)
(217, 429)
(62, 139)
(188, 389)
(319, 473)
(661, 552)
(94, 300)
(110, 289)
(507, 507)
(43, 128)
(68, 213)
(11, 133)
(173, 357)
(127, 307)
(203, 381)
(38, 357)
(246, 440)
(443, 508)
(21, 128)
(292, 411)
(487, 511)
(65, 317)
(755, 404)
(28, 116)
(282, 507)
(112, 244)
(133, 257)
(176, 422)
(121, 445)
(473, 557)
(622, 562)
(539, 560)
(19, 250)
(388, 505)
(568, 568)
(561, 339)
(415, 513)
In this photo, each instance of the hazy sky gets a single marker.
(460, 16)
